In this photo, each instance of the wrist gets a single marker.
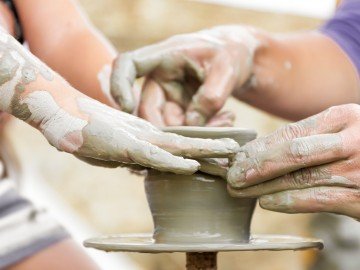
(254, 47)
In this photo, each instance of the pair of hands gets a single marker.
(308, 166)
(170, 96)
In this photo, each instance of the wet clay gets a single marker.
(146, 244)
(197, 208)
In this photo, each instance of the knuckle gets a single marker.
(293, 130)
(321, 196)
(352, 108)
(348, 111)
(213, 101)
(260, 168)
(301, 178)
(299, 151)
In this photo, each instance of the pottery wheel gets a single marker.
(144, 243)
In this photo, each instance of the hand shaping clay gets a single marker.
(197, 208)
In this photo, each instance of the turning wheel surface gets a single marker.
(144, 243)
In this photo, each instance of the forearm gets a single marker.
(299, 75)
(69, 44)
(32, 92)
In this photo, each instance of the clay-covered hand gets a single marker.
(309, 166)
(111, 135)
(189, 76)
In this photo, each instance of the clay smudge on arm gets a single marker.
(54, 122)
(17, 69)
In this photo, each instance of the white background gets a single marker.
(310, 8)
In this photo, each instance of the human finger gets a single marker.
(212, 95)
(312, 200)
(335, 174)
(286, 158)
(152, 103)
(222, 119)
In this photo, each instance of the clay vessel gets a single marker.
(197, 208)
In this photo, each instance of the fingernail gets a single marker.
(236, 193)
(278, 202)
(236, 177)
(194, 118)
(266, 201)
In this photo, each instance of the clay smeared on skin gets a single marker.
(54, 122)
(8, 67)
(284, 158)
(262, 151)
(107, 134)
(17, 69)
(318, 199)
(302, 179)
(214, 166)
(104, 80)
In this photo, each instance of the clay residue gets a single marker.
(109, 135)
(54, 122)
(8, 67)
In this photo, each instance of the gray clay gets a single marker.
(197, 208)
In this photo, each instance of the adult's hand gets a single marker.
(191, 75)
(309, 166)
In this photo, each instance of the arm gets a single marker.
(299, 75)
(292, 75)
(61, 36)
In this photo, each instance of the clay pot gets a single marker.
(197, 208)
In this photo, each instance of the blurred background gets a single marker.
(92, 201)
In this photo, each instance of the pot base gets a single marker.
(144, 243)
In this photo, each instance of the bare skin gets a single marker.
(309, 166)
(69, 44)
(63, 255)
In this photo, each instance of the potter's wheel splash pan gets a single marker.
(144, 243)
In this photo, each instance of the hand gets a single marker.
(309, 166)
(196, 74)
(155, 108)
(107, 137)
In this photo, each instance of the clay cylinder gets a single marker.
(197, 208)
